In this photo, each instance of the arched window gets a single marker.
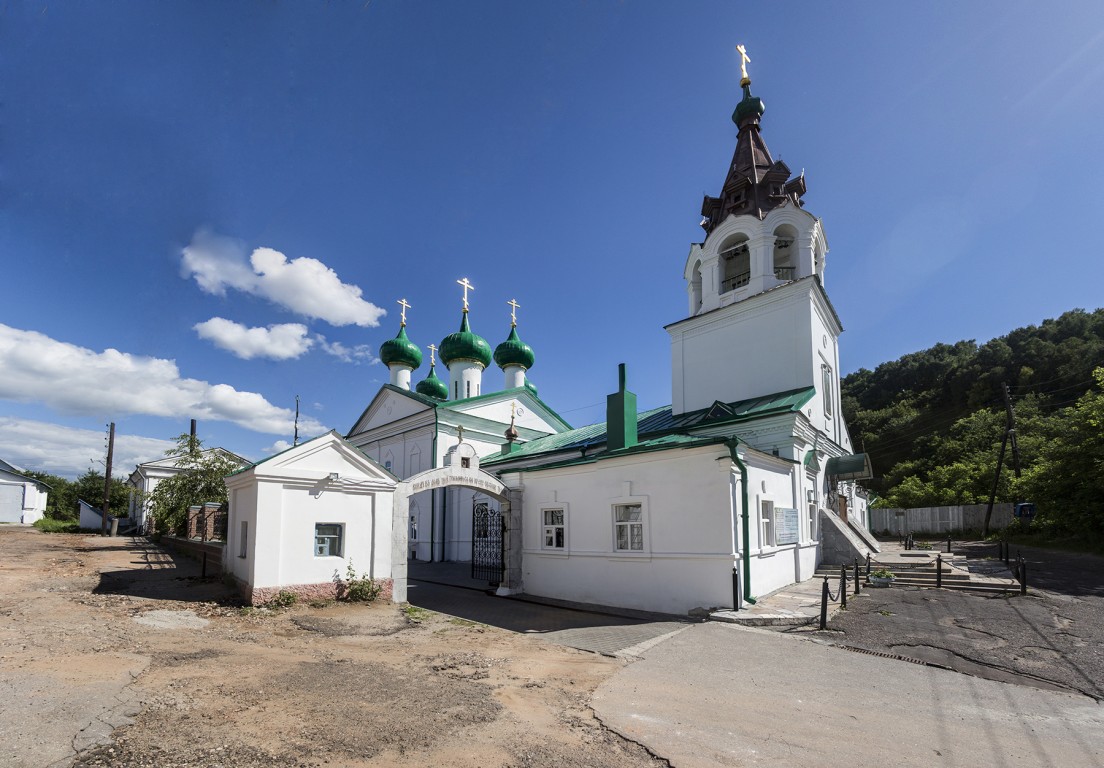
(735, 264)
(785, 250)
(696, 289)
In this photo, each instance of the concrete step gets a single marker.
(926, 580)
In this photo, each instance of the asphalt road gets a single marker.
(721, 695)
(1051, 638)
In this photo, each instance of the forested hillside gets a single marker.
(933, 421)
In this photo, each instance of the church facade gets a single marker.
(748, 478)
(742, 485)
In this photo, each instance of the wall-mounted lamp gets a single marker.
(333, 477)
(810, 496)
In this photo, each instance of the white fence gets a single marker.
(968, 517)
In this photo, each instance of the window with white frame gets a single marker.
(328, 539)
(555, 532)
(243, 544)
(766, 523)
(812, 521)
(628, 527)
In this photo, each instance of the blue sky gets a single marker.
(551, 152)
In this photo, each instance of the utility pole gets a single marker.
(192, 438)
(295, 440)
(107, 479)
(1009, 432)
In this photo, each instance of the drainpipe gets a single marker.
(745, 524)
(433, 495)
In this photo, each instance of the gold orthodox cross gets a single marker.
(402, 303)
(744, 59)
(467, 287)
(513, 311)
(459, 435)
(432, 349)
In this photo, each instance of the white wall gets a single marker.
(688, 556)
(760, 346)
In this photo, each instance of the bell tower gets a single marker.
(759, 321)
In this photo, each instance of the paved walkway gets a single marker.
(448, 588)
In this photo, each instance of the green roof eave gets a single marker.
(665, 443)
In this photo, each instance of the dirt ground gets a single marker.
(114, 654)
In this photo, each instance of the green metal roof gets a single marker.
(853, 467)
(660, 422)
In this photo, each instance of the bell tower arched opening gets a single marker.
(735, 258)
(784, 253)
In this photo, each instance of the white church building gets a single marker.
(742, 485)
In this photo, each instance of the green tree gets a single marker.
(89, 487)
(199, 481)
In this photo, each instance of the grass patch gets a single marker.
(414, 613)
(49, 525)
(464, 622)
(885, 612)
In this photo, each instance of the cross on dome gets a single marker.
(432, 349)
(467, 287)
(402, 303)
(744, 60)
(513, 311)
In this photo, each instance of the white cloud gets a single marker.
(277, 447)
(285, 341)
(69, 452)
(37, 369)
(303, 285)
(359, 353)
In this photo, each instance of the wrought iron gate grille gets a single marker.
(487, 529)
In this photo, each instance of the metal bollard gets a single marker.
(868, 566)
(858, 585)
(735, 589)
(1023, 576)
(824, 604)
(1007, 553)
(948, 543)
(939, 571)
(843, 586)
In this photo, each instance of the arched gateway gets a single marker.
(464, 473)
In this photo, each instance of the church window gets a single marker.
(812, 510)
(387, 465)
(243, 543)
(628, 523)
(327, 539)
(826, 382)
(554, 529)
(766, 523)
(467, 389)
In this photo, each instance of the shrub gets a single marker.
(356, 589)
(882, 573)
(284, 599)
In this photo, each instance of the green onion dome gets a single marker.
(749, 106)
(400, 351)
(514, 351)
(465, 345)
(530, 386)
(431, 386)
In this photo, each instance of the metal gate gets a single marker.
(488, 527)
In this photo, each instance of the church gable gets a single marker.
(388, 406)
(529, 411)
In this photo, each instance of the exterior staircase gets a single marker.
(921, 573)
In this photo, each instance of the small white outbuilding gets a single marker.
(22, 498)
(299, 519)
